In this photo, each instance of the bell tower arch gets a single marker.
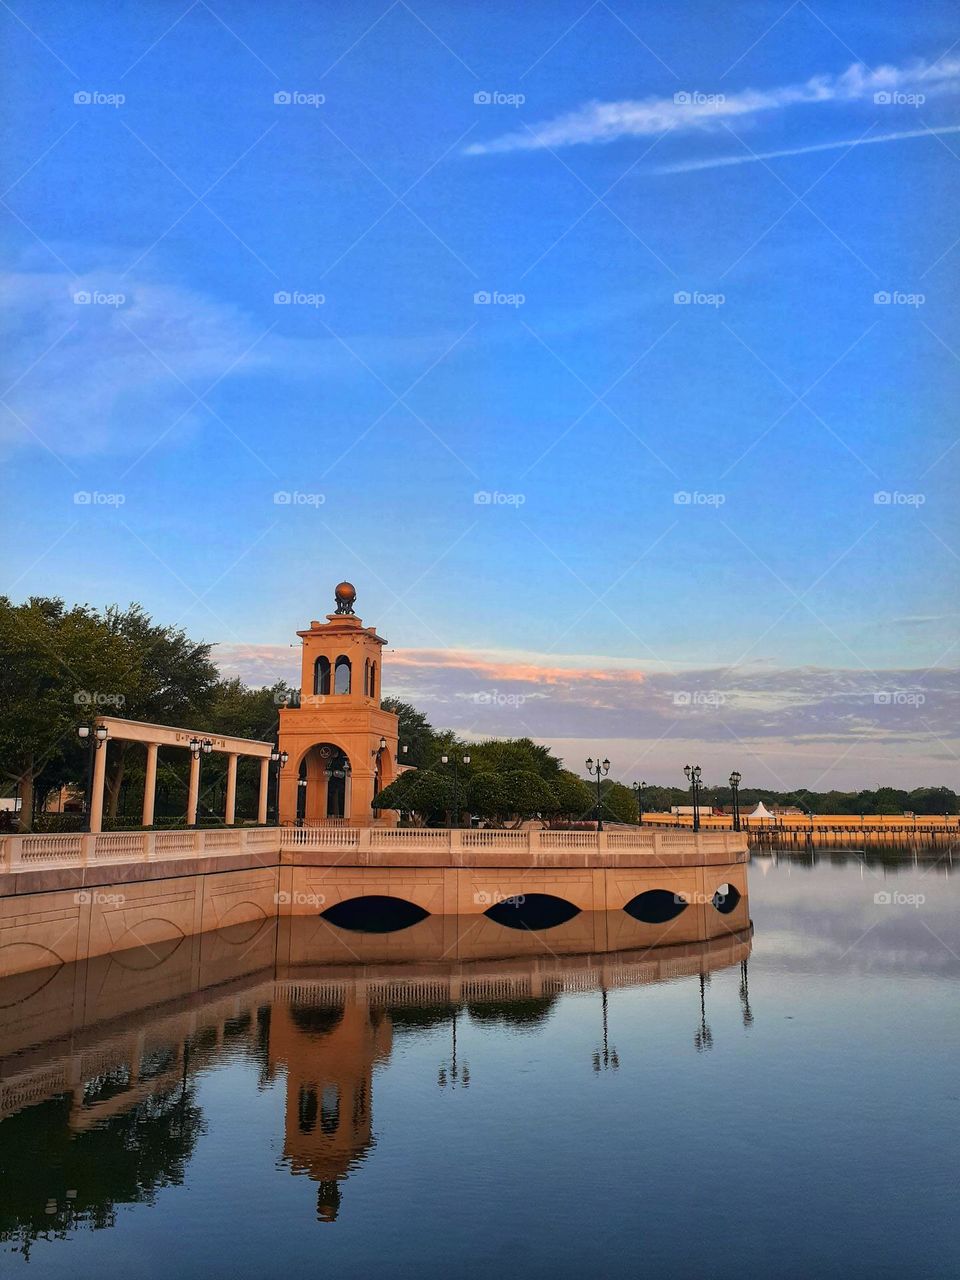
(338, 719)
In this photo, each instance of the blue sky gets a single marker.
(610, 164)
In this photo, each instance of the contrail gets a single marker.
(718, 162)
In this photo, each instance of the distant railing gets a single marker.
(370, 844)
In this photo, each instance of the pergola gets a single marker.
(155, 736)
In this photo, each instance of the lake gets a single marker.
(772, 1091)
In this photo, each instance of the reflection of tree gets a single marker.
(56, 1181)
(512, 1013)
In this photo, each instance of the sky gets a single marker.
(610, 350)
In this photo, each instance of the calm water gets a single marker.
(777, 1101)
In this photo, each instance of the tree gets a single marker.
(574, 798)
(54, 664)
(426, 795)
(416, 733)
(619, 804)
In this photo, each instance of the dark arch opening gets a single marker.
(532, 911)
(373, 679)
(656, 906)
(341, 675)
(307, 1110)
(375, 913)
(512, 1013)
(321, 676)
(314, 1021)
(330, 1109)
(726, 898)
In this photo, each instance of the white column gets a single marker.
(96, 793)
(264, 787)
(150, 785)
(231, 806)
(193, 790)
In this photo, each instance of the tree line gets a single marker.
(60, 666)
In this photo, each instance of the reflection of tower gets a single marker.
(329, 1052)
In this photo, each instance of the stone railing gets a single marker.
(368, 844)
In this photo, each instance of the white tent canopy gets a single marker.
(761, 811)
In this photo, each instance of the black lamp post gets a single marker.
(598, 770)
(301, 800)
(198, 747)
(693, 777)
(735, 788)
(638, 788)
(445, 759)
(95, 736)
(279, 758)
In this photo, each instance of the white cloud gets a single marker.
(606, 121)
(751, 157)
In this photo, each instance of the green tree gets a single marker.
(427, 796)
(574, 798)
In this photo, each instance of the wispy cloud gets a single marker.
(751, 157)
(696, 112)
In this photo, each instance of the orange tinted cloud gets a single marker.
(507, 669)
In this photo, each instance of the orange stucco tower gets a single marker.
(341, 747)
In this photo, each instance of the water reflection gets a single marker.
(100, 1062)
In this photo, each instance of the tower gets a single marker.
(341, 747)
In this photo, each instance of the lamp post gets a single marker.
(301, 800)
(598, 770)
(445, 759)
(279, 758)
(735, 788)
(693, 777)
(638, 788)
(198, 747)
(95, 736)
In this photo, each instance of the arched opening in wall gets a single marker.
(341, 675)
(337, 770)
(726, 898)
(656, 906)
(373, 679)
(321, 676)
(307, 1110)
(375, 913)
(532, 911)
(302, 792)
(366, 678)
(330, 1109)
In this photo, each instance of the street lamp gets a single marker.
(735, 788)
(598, 770)
(693, 777)
(445, 759)
(301, 800)
(638, 788)
(95, 736)
(198, 747)
(279, 758)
